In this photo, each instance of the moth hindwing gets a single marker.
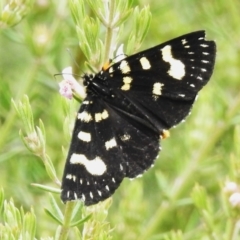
(129, 107)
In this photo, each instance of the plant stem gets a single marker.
(67, 220)
(109, 32)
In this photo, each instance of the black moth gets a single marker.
(129, 107)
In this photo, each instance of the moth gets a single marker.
(128, 109)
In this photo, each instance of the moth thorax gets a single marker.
(87, 78)
(99, 87)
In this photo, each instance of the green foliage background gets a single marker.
(203, 150)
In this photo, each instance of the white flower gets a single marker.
(231, 187)
(119, 54)
(234, 199)
(65, 89)
(69, 85)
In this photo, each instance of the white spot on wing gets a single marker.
(177, 68)
(101, 116)
(126, 80)
(121, 167)
(91, 195)
(85, 116)
(125, 87)
(125, 137)
(145, 63)
(83, 197)
(75, 196)
(107, 188)
(124, 67)
(99, 193)
(157, 88)
(69, 176)
(138, 176)
(110, 70)
(94, 167)
(110, 144)
(84, 136)
(184, 41)
(86, 102)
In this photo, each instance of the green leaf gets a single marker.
(100, 9)
(81, 221)
(56, 210)
(77, 209)
(141, 23)
(11, 214)
(54, 217)
(199, 197)
(47, 188)
(50, 169)
(78, 10)
(77, 233)
(29, 226)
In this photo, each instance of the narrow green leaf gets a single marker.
(77, 209)
(77, 233)
(50, 214)
(81, 221)
(55, 207)
(58, 232)
(99, 9)
(47, 188)
(50, 169)
(41, 139)
(10, 214)
(29, 226)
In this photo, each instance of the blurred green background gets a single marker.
(203, 150)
